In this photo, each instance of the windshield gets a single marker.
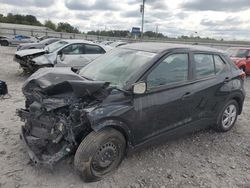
(241, 53)
(117, 66)
(55, 46)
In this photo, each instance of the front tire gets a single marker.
(227, 116)
(99, 154)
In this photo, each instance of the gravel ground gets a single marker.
(204, 159)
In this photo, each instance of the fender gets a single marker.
(115, 124)
(45, 59)
(239, 97)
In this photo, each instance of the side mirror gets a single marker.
(139, 88)
(46, 50)
(61, 55)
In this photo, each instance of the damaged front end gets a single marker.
(55, 114)
(25, 58)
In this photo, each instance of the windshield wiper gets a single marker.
(120, 89)
(87, 78)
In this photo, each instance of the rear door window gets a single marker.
(74, 49)
(204, 65)
(207, 65)
(93, 49)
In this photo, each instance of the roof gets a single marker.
(156, 47)
(70, 41)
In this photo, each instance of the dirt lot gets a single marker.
(204, 159)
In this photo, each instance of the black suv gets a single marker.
(135, 95)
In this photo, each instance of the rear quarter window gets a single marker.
(219, 64)
(231, 63)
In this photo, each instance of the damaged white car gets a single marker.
(65, 53)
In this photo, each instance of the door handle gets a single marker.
(186, 95)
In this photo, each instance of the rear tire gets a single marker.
(227, 116)
(4, 43)
(99, 154)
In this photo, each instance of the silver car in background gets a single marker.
(38, 45)
(64, 53)
(16, 40)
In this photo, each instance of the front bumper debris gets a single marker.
(47, 160)
(20, 60)
(37, 145)
(24, 63)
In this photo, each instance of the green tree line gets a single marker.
(124, 33)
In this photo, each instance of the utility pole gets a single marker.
(156, 30)
(142, 20)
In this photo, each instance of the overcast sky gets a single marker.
(228, 19)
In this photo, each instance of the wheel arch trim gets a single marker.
(117, 125)
(239, 98)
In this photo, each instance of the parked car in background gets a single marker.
(117, 44)
(38, 45)
(17, 39)
(40, 38)
(64, 53)
(241, 58)
(1, 36)
(129, 98)
(97, 41)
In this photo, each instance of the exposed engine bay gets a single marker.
(55, 113)
(26, 61)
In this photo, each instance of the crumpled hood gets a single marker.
(58, 81)
(23, 53)
(44, 59)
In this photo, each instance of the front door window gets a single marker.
(173, 69)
